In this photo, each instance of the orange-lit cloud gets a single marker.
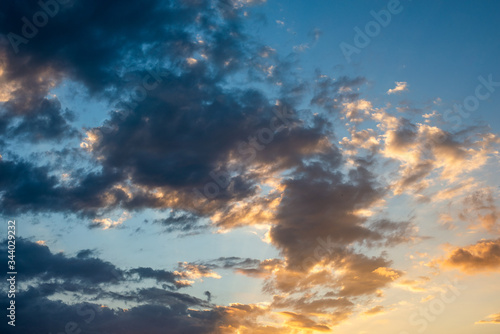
(375, 310)
(302, 322)
(481, 257)
(189, 271)
(107, 223)
(427, 154)
(414, 285)
(491, 319)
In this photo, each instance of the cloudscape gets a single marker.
(249, 166)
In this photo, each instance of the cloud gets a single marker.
(56, 316)
(355, 111)
(304, 216)
(27, 112)
(348, 279)
(231, 262)
(182, 221)
(28, 187)
(304, 323)
(480, 210)
(46, 121)
(375, 310)
(107, 223)
(178, 136)
(195, 271)
(400, 87)
(241, 3)
(414, 285)
(245, 266)
(428, 153)
(207, 127)
(366, 275)
(192, 130)
(161, 276)
(36, 261)
(89, 278)
(113, 75)
(38, 264)
(330, 93)
(366, 139)
(263, 269)
(315, 306)
(84, 253)
(484, 256)
(491, 319)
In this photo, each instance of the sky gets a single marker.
(251, 166)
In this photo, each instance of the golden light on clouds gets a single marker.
(484, 256)
(491, 319)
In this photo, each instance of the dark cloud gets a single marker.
(37, 262)
(186, 125)
(27, 187)
(45, 121)
(321, 202)
(209, 296)
(152, 309)
(153, 295)
(111, 37)
(329, 93)
(103, 47)
(85, 253)
(182, 222)
(161, 276)
(50, 316)
(232, 262)
(87, 278)
(181, 134)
